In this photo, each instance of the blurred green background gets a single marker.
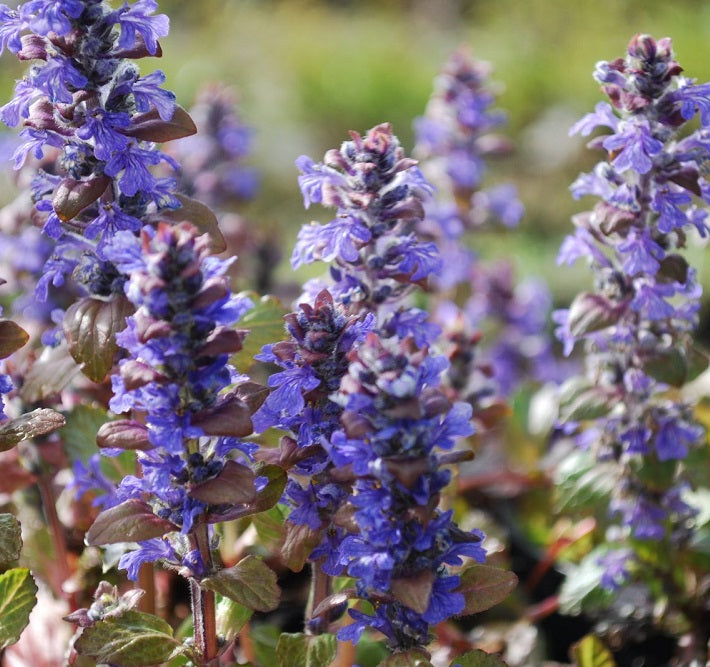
(308, 71)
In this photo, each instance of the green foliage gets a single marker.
(477, 658)
(18, 596)
(250, 582)
(231, 617)
(591, 652)
(412, 658)
(79, 434)
(582, 483)
(265, 324)
(30, 425)
(133, 639)
(300, 650)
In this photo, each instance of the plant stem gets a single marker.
(203, 601)
(146, 582)
(57, 532)
(320, 590)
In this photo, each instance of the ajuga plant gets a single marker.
(455, 138)
(128, 244)
(359, 391)
(640, 446)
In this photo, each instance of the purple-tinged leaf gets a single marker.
(18, 596)
(30, 425)
(91, 326)
(334, 606)
(591, 312)
(12, 337)
(252, 394)
(414, 592)
(579, 400)
(149, 126)
(123, 434)
(233, 486)
(131, 521)
(301, 650)
(484, 587)
(10, 539)
(223, 341)
(137, 374)
(200, 215)
(132, 639)
(299, 542)
(231, 417)
(71, 196)
(250, 582)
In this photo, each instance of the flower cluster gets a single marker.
(454, 138)
(391, 416)
(175, 376)
(395, 419)
(637, 322)
(379, 195)
(85, 98)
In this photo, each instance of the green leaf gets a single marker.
(234, 485)
(590, 312)
(666, 365)
(265, 322)
(12, 337)
(272, 492)
(38, 422)
(413, 658)
(300, 650)
(581, 482)
(484, 587)
(270, 525)
(90, 327)
(131, 521)
(18, 596)
(265, 637)
(477, 658)
(133, 639)
(591, 652)
(10, 538)
(231, 617)
(79, 434)
(250, 582)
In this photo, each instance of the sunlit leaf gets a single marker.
(301, 650)
(18, 596)
(484, 587)
(10, 538)
(591, 652)
(250, 582)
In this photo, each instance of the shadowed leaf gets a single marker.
(79, 434)
(123, 434)
(250, 582)
(234, 486)
(91, 326)
(10, 538)
(53, 371)
(484, 587)
(18, 593)
(131, 521)
(299, 542)
(38, 422)
(414, 592)
(413, 658)
(477, 658)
